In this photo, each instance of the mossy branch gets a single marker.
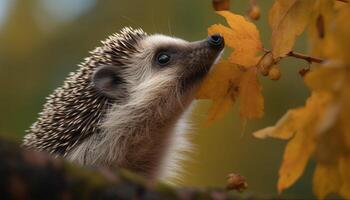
(33, 175)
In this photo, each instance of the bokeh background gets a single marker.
(41, 41)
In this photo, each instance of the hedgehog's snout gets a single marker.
(200, 58)
(216, 41)
(209, 49)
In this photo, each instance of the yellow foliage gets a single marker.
(221, 86)
(251, 101)
(320, 129)
(326, 180)
(323, 14)
(288, 19)
(333, 144)
(242, 36)
(237, 76)
(299, 125)
(338, 43)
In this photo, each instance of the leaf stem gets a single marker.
(305, 57)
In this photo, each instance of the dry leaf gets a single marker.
(326, 180)
(225, 83)
(288, 19)
(284, 128)
(242, 36)
(236, 77)
(221, 86)
(251, 101)
(321, 128)
(322, 16)
(299, 125)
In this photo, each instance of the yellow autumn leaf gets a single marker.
(344, 164)
(237, 76)
(337, 44)
(288, 19)
(296, 156)
(251, 101)
(326, 179)
(331, 174)
(327, 78)
(332, 168)
(225, 83)
(333, 147)
(221, 86)
(300, 125)
(321, 128)
(333, 136)
(333, 77)
(322, 16)
(242, 36)
(344, 116)
(284, 128)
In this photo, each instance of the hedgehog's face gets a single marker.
(163, 63)
(184, 63)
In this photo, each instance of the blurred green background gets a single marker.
(41, 41)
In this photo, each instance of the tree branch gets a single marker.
(32, 175)
(300, 56)
(305, 57)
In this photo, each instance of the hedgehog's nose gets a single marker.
(216, 41)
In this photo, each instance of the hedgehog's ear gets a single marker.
(107, 80)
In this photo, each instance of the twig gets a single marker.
(305, 57)
(345, 1)
(300, 56)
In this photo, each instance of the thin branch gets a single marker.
(305, 57)
(300, 56)
(345, 1)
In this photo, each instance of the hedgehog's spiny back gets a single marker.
(74, 111)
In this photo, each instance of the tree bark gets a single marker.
(26, 174)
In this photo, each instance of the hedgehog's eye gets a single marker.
(163, 58)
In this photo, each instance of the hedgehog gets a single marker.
(128, 104)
